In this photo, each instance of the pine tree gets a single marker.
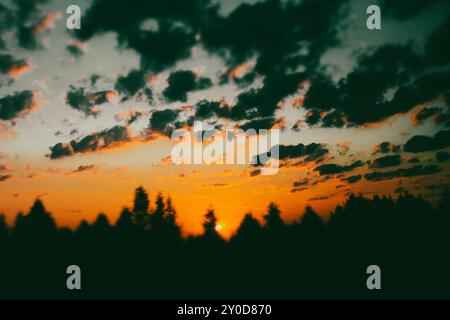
(273, 218)
(210, 222)
(140, 209)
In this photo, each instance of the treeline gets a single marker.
(145, 256)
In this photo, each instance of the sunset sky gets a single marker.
(86, 115)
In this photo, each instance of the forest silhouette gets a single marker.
(144, 255)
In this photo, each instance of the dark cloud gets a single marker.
(255, 172)
(4, 177)
(9, 64)
(6, 22)
(26, 19)
(418, 170)
(274, 32)
(162, 121)
(169, 38)
(208, 109)
(319, 198)
(390, 67)
(96, 141)
(405, 9)
(426, 113)
(434, 187)
(386, 147)
(435, 113)
(386, 161)
(284, 37)
(310, 152)
(300, 183)
(352, 179)
(299, 189)
(16, 104)
(442, 156)
(5, 172)
(420, 143)
(86, 102)
(414, 160)
(132, 83)
(260, 124)
(183, 81)
(263, 102)
(443, 119)
(331, 168)
(437, 46)
(74, 50)
(83, 168)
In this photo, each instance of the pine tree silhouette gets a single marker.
(141, 207)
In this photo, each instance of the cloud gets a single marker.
(320, 198)
(298, 189)
(311, 152)
(437, 115)
(162, 121)
(205, 109)
(5, 172)
(284, 38)
(405, 9)
(386, 161)
(13, 67)
(169, 38)
(46, 22)
(331, 168)
(129, 116)
(84, 168)
(86, 102)
(76, 48)
(352, 179)
(104, 139)
(255, 172)
(420, 143)
(183, 81)
(442, 156)
(389, 67)
(417, 170)
(261, 124)
(16, 105)
(274, 32)
(6, 130)
(437, 48)
(426, 113)
(5, 177)
(26, 21)
(300, 183)
(344, 147)
(386, 147)
(131, 84)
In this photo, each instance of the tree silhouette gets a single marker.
(125, 224)
(157, 217)
(249, 229)
(273, 218)
(309, 257)
(140, 208)
(209, 222)
(37, 225)
(170, 214)
(4, 229)
(311, 222)
(101, 226)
